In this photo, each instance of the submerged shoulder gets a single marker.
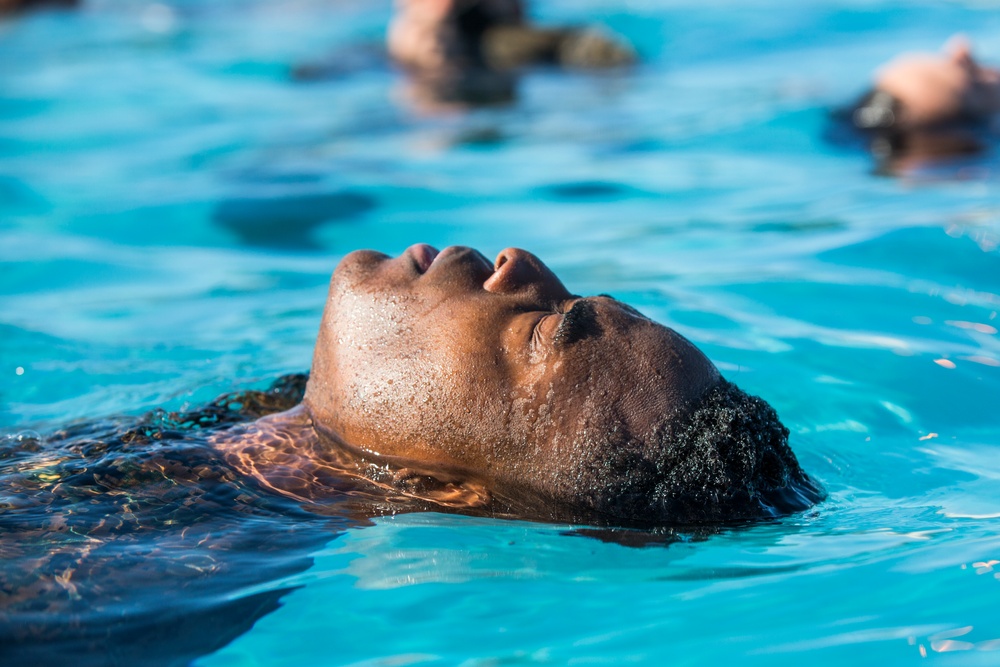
(281, 451)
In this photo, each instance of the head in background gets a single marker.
(557, 406)
(929, 105)
(431, 35)
(467, 52)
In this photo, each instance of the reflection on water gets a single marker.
(130, 540)
(288, 220)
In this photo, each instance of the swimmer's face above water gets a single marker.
(433, 34)
(935, 89)
(491, 366)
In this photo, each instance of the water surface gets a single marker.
(172, 203)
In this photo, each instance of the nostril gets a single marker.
(515, 270)
(501, 260)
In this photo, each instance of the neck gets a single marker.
(283, 452)
(292, 454)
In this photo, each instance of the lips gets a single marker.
(423, 256)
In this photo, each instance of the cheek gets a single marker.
(548, 406)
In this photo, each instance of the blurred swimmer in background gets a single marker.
(927, 107)
(13, 6)
(467, 52)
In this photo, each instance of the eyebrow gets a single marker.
(578, 323)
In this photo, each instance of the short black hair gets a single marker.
(725, 460)
(875, 111)
(879, 120)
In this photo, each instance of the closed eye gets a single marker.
(543, 330)
(578, 323)
(561, 329)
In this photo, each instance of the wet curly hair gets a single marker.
(726, 460)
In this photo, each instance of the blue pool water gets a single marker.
(140, 143)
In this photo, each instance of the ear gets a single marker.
(442, 488)
(958, 50)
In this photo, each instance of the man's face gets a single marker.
(491, 367)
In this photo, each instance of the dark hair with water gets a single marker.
(730, 460)
(725, 461)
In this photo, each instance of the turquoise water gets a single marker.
(144, 151)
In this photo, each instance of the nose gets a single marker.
(517, 271)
